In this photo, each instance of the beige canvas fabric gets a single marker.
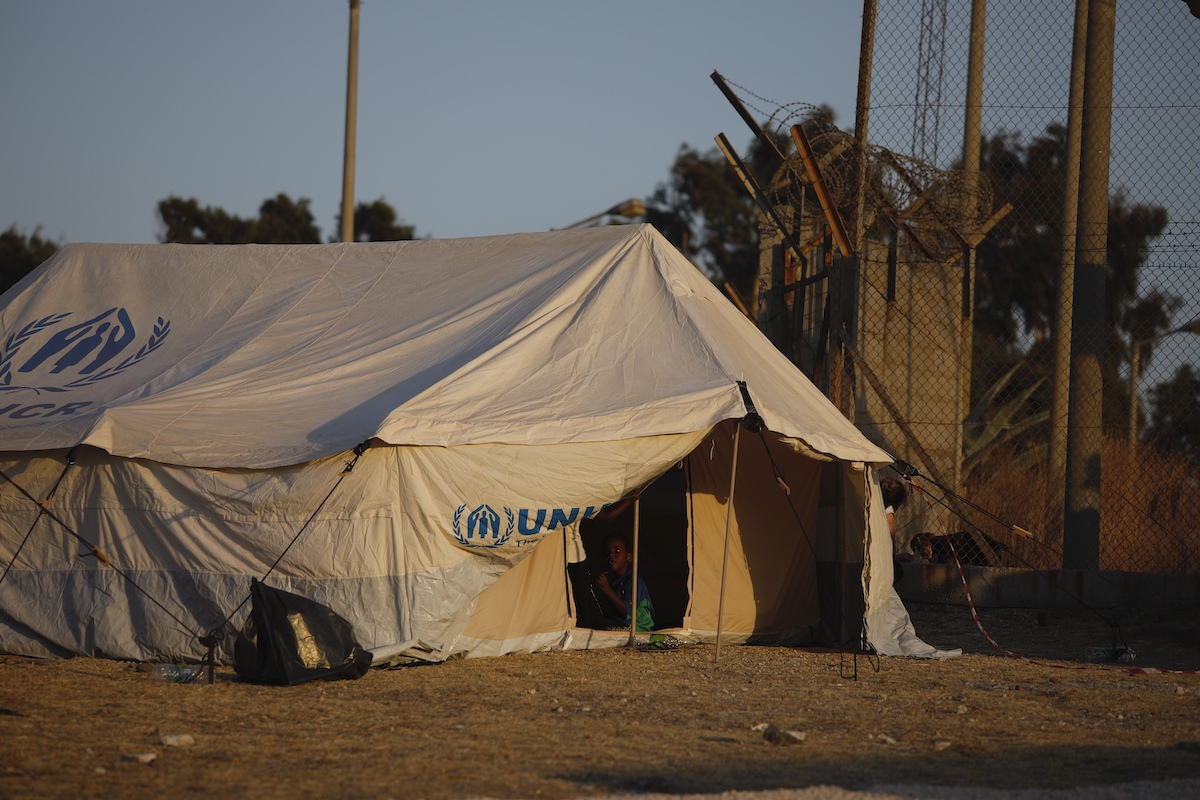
(257, 356)
(499, 390)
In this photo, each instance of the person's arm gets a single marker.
(617, 508)
(611, 593)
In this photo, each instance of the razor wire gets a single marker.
(919, 210)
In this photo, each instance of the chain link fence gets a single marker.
(943, 340)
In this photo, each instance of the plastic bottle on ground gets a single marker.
(175, 673)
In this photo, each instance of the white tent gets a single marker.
(189, 411)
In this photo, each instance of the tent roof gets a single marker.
(266, 355)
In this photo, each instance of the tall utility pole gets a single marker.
(1066, 272)
(351, 121)
(1081, 520)
(845, 272)
(862, 118)
(971, 149)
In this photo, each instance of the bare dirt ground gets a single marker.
(583, 724)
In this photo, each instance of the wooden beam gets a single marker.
(835, 151)
(976, 237)
(759, 133)
(757, 194)
(832, 215)
(800, 284)
(733, 294)
(894, 217)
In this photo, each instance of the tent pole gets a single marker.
(737, 436)
(637, 517)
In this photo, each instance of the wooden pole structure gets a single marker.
(752, 188)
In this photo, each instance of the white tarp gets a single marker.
(509, 388)
(889, 627)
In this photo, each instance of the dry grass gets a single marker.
(1150, 502)
(578, 724)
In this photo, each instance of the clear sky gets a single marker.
(474, 118)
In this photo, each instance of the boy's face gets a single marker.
(619, 557)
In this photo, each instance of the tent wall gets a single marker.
(402, 546)
(193, 539)
(842, 565)
(771, 589)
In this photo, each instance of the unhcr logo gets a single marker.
(53, 355)
(482, 527)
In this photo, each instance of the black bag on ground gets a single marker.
(290, 639)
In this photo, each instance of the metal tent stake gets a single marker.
(210, 658)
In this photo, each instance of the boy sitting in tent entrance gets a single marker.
(616, 587)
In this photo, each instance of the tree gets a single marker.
(185, 222)
(281, 220)
(1017, 281)
(21, 254)
(378, 222)
(1175, 414)
(1018, 263)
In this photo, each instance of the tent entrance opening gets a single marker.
(662, 557)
